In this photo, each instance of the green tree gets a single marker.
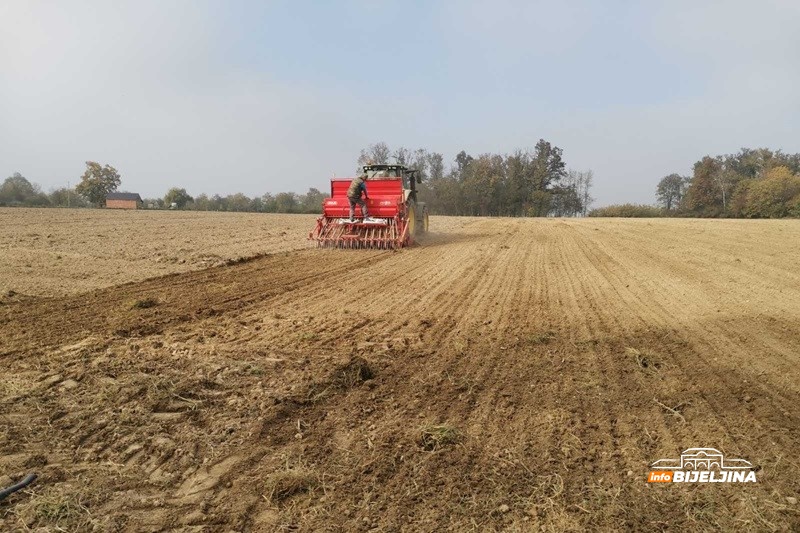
(256, 205)
(670, 191)
(517, 170)
(201, 203)
(435, 165)
(751, 163)
(548, 165)
(627, 211)
(540, 203)
(217, 203)
(97, 182)
(64, 197)
(312, 201)
(268, 201)
(480, 182)
(237, 202)
(526, 183)
(704, 196)
(17, 190)
(774, 195)
(728, 185)
(61, 197)
(463, 161)
(286, 202)
(739, 198)
(443, 195)
(546, 169)
(177, 196)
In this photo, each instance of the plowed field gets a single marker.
(50, 252)
(506, 374)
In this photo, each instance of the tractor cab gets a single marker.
(387, 172)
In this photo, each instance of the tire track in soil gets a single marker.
(217, 290)
(717, 404)
(586, 311)
(714, 408)
(512, 331)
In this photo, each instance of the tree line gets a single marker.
(95, 184)
(751, 183)
(99, 180)
(531, 182)
(283, 202)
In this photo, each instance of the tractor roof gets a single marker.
(384, 167)
(401, 168)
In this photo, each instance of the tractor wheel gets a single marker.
(411, 220)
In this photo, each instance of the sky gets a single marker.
(258, 96)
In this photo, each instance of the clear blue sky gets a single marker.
(254, 97)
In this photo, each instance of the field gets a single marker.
(504, 375)
(63, 251)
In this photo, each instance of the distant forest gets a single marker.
(525, 183)
(752, 183)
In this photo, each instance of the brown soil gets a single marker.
(49, 252)
(506, 374)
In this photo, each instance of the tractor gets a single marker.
(396, 217)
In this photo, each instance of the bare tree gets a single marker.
(402, 156)
(374, 154)
(573, 191)
(584, 188)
